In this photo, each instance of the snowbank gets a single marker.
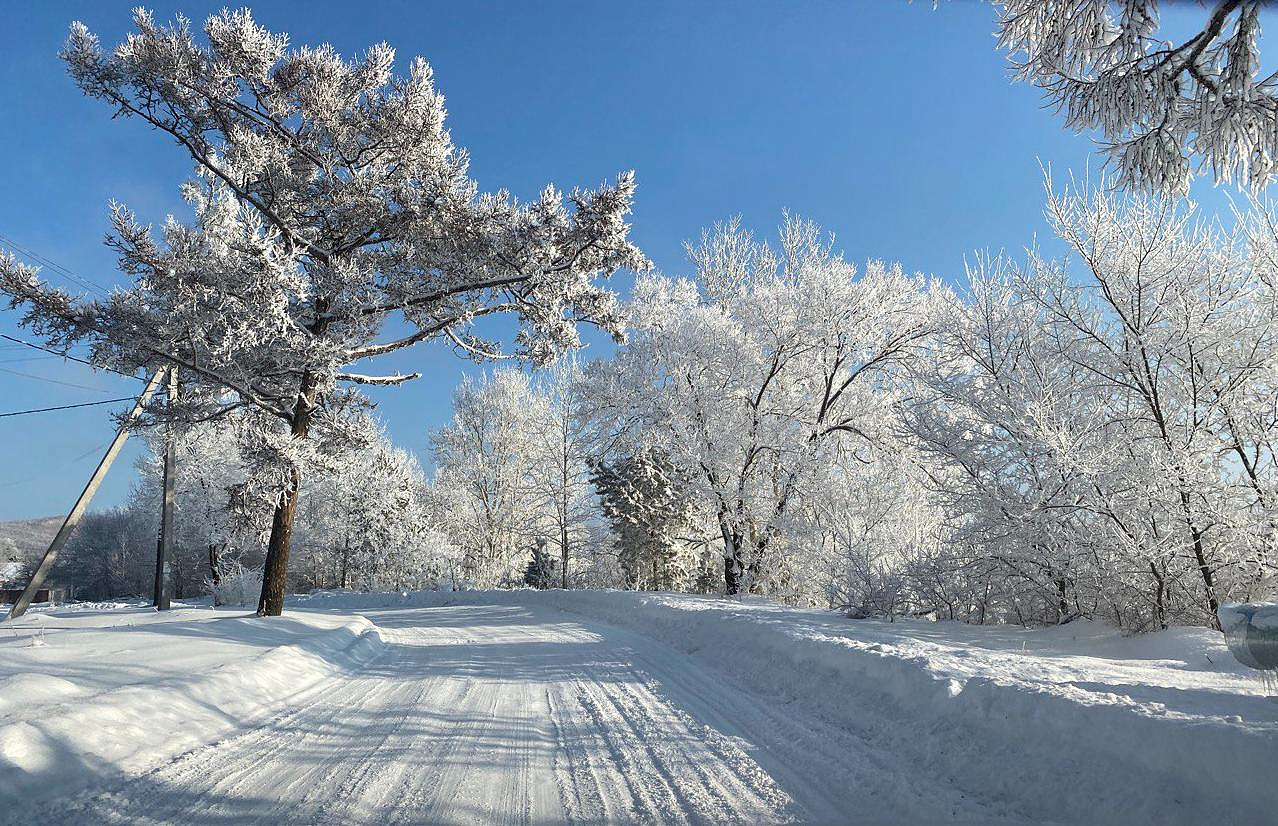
(1094, 726)
(90, 693)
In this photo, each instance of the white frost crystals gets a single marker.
(1156, 103)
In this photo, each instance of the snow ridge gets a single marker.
(58, 737)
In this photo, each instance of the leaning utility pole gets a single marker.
(81, 504)
(164, 547)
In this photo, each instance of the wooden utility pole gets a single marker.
(164, 547)
(81, 504)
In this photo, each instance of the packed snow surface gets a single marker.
(610, 707)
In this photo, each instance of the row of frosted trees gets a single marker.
(366, 523)
(1090, 436)
(1085, 437)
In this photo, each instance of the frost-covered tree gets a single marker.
(646, 498)
(371, 523)
(218, 521)
(540, 572)
(489, 475)
(750, 376)
(1179, 332)
(1108, 433)
(563, 457)
(873, 519)
(1108, 65)
(10, 560)
(1003, 411)
(328, 200)
(111, 554)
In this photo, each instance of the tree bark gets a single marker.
(1209, 584)
(732, 567)
(1200, 556)
(346, 562)
(563, 539)
(215, 576)
(275, 569)
(1160, 610)
(215, 573)
(731, 575)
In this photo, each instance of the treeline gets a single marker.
(1091, 437)
(365, 523)
(1084, 438)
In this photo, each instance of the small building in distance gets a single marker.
(14, 575)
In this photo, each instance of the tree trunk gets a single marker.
(1200, 556)
(731, 574)
(733, 570)
(755, 569)
(563, 538)
(1209, 584)
(732, 567)
(215, 575)
(275, 569)
(563, 519)
(1160, 609)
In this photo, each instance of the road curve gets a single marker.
(491, 714)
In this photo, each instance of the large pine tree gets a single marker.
(328, 201)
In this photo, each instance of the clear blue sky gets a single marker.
(891, 124)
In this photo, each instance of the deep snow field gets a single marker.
(617, 707)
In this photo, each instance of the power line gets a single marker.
(52, 381)
(53, 265)
(66, 407)
(71, 357)
(86, 454)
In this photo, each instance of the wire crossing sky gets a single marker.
(891, 124)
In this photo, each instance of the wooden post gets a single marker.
(164, 548)
(82, 504)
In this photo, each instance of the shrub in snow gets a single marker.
(540, 572)
(237, 585)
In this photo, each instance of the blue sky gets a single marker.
(891, 124)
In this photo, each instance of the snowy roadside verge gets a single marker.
(1090, 747)
(70, 720)
(1077, 725)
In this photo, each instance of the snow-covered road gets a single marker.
(616, 707)
(517, 714)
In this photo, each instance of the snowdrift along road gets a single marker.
(592, 707)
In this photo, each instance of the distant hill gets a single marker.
(31, 536)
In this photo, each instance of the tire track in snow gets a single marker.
(513, 715)
(862, 769)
